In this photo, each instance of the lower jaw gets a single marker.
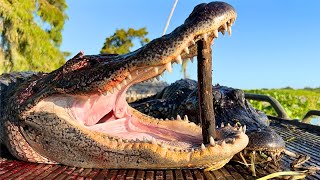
(131, 128)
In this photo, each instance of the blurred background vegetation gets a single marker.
(296, 102)
(30, 35)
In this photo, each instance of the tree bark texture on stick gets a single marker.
(205, 90)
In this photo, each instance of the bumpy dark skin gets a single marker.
(230, 106)
(44, 116)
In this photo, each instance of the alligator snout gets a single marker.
(265, 139)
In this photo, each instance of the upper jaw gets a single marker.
(154, 64)
(152, 60)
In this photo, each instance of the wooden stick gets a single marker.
(205, 90)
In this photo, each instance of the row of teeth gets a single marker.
(224, 27)
(185, 118)
(212, 142)
(155, 142)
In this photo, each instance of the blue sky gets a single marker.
(274, 43)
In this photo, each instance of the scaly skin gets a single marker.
(230, 106)
(77, 115)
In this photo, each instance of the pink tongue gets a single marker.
(90, 110)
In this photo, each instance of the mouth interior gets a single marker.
(109, 112)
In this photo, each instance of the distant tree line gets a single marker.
(30, 35)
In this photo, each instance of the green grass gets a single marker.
(295, 102)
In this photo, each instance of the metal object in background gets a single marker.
(309, 114)
(274, 103)
(278, 108)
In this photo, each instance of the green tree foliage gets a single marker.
(30, 34)
(121, 41)
(295, 102)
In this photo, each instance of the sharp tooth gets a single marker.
(129, 77)
(125, 140)
(158, 78)
(212, 141)
(124, 82)
(118, 86)
(191, 59)
(222, 32)
(244, 128)
(105, 93)
(228, 125)
(163, 145)
(203, 147)
(120, 141)
(168, 67)
(137, 140)
(186, 118)
(156, 70)
(166, 119)
(212, 42)
(229, 30)
(232, 21)
(205, 37)
(240, 129)
(216, 33)
(178, 117)
(186, 50)
(153, 140)
(111, 90)
(192, 150)
(178, 59)
(222, 124)
(145, 140)
(162, 75)
(223, 143)
(193, 42)
(225, 26)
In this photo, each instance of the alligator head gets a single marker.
(77, 115)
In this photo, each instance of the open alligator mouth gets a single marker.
(87, 96)
(109, 112)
